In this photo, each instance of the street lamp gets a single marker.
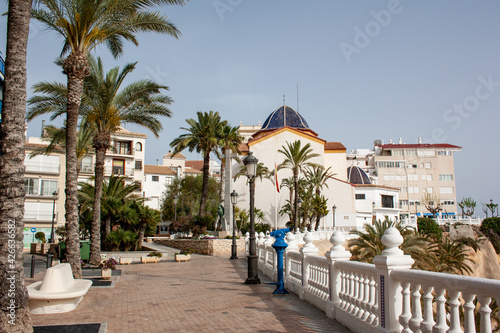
(297, 217)
(54, 195)
(374, 216)
(234, 250)
(176, 199)
(334, 208)
(253, 275)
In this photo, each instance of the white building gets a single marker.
(156, 180)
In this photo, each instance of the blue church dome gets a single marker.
(356, 175)
(285, 116)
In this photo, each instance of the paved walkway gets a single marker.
(205, 294)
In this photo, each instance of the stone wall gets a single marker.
(211, 247)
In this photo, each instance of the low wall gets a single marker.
(211, 247)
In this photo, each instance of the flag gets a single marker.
(276, 178)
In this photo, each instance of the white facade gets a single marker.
(157, 178)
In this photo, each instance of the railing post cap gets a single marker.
(337, 238)
(309, 247)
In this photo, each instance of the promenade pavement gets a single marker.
(205, 294)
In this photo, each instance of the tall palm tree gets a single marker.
(203, 137)
(85, 24)
(230, 138)
(138, 103)
(297, 158)
(317, 176)
(12, 140)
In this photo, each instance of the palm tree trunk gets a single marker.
(296, 199)
(95, 236)
(12, 138)
(75, 67)
(142, 231)
(204, 187)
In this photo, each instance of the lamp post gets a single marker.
(334, 208)
(234, 249)
(176, 199)
(374, 216)
(297, 216)
(253, 275)
(54, 195)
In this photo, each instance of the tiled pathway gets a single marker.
(205, 294)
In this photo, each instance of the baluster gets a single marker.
(469, 307)
(454, 312)
(366, 298)
(351, 291)
(440, 326)
(416, 309)
(359, 300)
(405, 316)
(428, 323)
(485, 312)
(342, 289)
(373, 300)
(356, 294)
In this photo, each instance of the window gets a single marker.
(446, 190)
(42, 163)
(138, 165)
(403, 202)
(427, 165)
(86, 164)
(138, 146)
(444, 153)
(426, 153)
(404, 189)
(429, 178)
(119, 167)
(155, 178)
(387, 201)
(168, 181)
(391, 164)
(446, 177)
(38, 211)
(122, 147)
(397, 152)
(447, 202)
(31, 186)
(360, 196)
(413, 189)
(430, 190)
(411, 152)
(48, 187)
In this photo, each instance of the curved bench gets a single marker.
(58, 291)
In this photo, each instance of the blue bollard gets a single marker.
(280, 246)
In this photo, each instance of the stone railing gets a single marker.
(386, 296)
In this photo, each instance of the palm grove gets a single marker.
(83, 25)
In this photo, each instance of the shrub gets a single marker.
(427, 226)
(231, 237)
(41, 237)
(491, 223)
(187, 251)
(155, 254)
(109, 264)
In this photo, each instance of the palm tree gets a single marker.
(139, 103)
(231, 139)
(85, 24)
(368, 244)
(203, 137)
(296, 159)
(450, 256)
(12, 167)
(261, 172)
(317, 177)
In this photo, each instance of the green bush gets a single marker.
(427, 226)
(40, 236)
(491, 223)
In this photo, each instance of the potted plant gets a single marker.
(152, 257)
(106, 267)
(184, 255)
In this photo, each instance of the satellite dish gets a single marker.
(377, 143)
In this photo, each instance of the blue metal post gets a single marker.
(279, 246)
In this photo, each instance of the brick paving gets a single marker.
(205, 294)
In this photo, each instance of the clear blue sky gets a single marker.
(366, 70)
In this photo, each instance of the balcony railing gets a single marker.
(108, 171)
(87, 168)
(386, 296)
(41, 167)
(37, 216)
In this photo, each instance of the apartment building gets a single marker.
(418, 170)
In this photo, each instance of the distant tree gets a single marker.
(492, 207)
(467, 205)
(432, 204)
(429, 227)
(231, 139)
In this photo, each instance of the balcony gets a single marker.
(37, 167)
(108, 171)
(87, 168)
(38, 217)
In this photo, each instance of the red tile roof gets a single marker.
(159, 169)
(178, 155)
(421, 145)
(197, 165)
(244, 148)
(334, 146)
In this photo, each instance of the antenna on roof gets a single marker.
(284, 111)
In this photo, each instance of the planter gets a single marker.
(125, 261)
(182, 257)
(106, 273)
(36, 248)
(145, 260)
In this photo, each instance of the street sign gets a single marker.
(33, 230)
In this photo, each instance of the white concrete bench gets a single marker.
(58, 291)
